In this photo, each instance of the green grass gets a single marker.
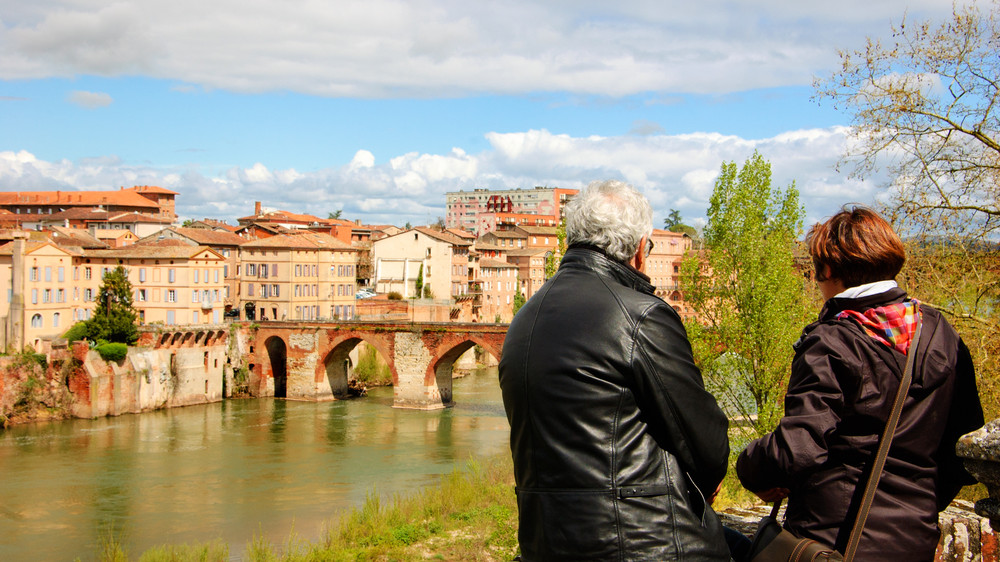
(371, 369)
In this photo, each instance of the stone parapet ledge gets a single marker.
(980, 451)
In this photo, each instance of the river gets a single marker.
(228, 471)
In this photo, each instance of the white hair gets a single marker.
(611, 215)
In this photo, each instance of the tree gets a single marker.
(553, 259)
(335, 215)
(746, 292)
(419, 283)
(519, 299)
(672, 220)
(114, 317)
(927, 106)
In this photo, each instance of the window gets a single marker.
(33, 274)
(274, 270)
(48, 273)
(55, 320)
(87, 273)
(34, 296)
(61, 295)
(194, 317)
(216, 275)
(141, 295)
(36, 321)
(47, 295)
(171, 295)
(225, 271)
(194, 293)
(274, 291)
(88, 295)
(298, 270)
(171, 275)
(61, 275)
(249, 289)
(206, 275)
(170, 317)
(251, 269)
(76, 274)
(196, 276)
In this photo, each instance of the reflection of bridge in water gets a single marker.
(309, 360)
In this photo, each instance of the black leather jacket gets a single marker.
(614, 438)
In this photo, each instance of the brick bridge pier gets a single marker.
(309, 360)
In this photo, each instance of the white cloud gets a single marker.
(417, 48)
(674, 171)
(89, 100)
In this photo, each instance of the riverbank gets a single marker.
(471, 514)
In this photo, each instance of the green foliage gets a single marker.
(112, 351)
(419, 284)
(394, 296)
(553, 259)
(747, 293)
(371, 369)
(212, 552)
(76, 332)
(336, 214)
(519, 299)
(672, 220)
(114, 318)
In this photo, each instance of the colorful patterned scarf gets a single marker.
(892, 325)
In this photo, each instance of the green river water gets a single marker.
(228, 471)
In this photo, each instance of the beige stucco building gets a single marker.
(440, 259)
(299, 276)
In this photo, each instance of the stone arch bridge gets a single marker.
(309, 360)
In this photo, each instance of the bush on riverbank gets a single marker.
(371, 369)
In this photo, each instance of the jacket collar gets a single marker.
(591, 257)
(837, 305)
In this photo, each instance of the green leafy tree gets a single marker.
(553, 259)
(519, 299)
(672, 220)
(114, 317)
(747, 292)
(335, 215)
(419, 283)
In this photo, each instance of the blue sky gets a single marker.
(380, 107)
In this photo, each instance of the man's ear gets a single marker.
(639, 259)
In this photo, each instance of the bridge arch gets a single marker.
(441, 369)
(335, 364)
(277, 353)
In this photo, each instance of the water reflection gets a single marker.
(227, 471)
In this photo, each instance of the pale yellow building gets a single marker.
(496, 280)
(171, 284)
(41, 309)
(439, 259)
(530, 263)
(298, 276)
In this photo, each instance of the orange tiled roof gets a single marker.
(120, 198)
(443, 236)
(284, 216)
(75, 237)
(152, 251)
(300, 240)
(208, 237)
(152, 189)
(496, 264)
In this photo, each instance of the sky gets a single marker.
(377, 108)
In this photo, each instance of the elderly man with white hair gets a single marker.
(618, 448)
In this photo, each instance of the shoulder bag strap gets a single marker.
(883, 447)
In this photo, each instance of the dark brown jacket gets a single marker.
(840, 393)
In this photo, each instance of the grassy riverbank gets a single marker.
(470, 515)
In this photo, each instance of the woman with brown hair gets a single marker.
(845, 375)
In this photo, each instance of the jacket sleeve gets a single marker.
(965, 415)
(814, 406)
(684, 417)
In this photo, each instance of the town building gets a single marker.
(530, 263)
(172, 283)
(438, 259)
(146, 200)
(663, 266)
(495, 282)
(298, 276)
(36, 306)
(484, 210)
(224, 242)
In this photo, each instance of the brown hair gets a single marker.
(858, 246)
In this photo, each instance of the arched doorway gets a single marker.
(279, 365)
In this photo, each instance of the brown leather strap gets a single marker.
(883, 446)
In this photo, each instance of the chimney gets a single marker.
(256, 208)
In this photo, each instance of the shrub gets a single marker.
(77, 332)
(112, 351)
(394, 296)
